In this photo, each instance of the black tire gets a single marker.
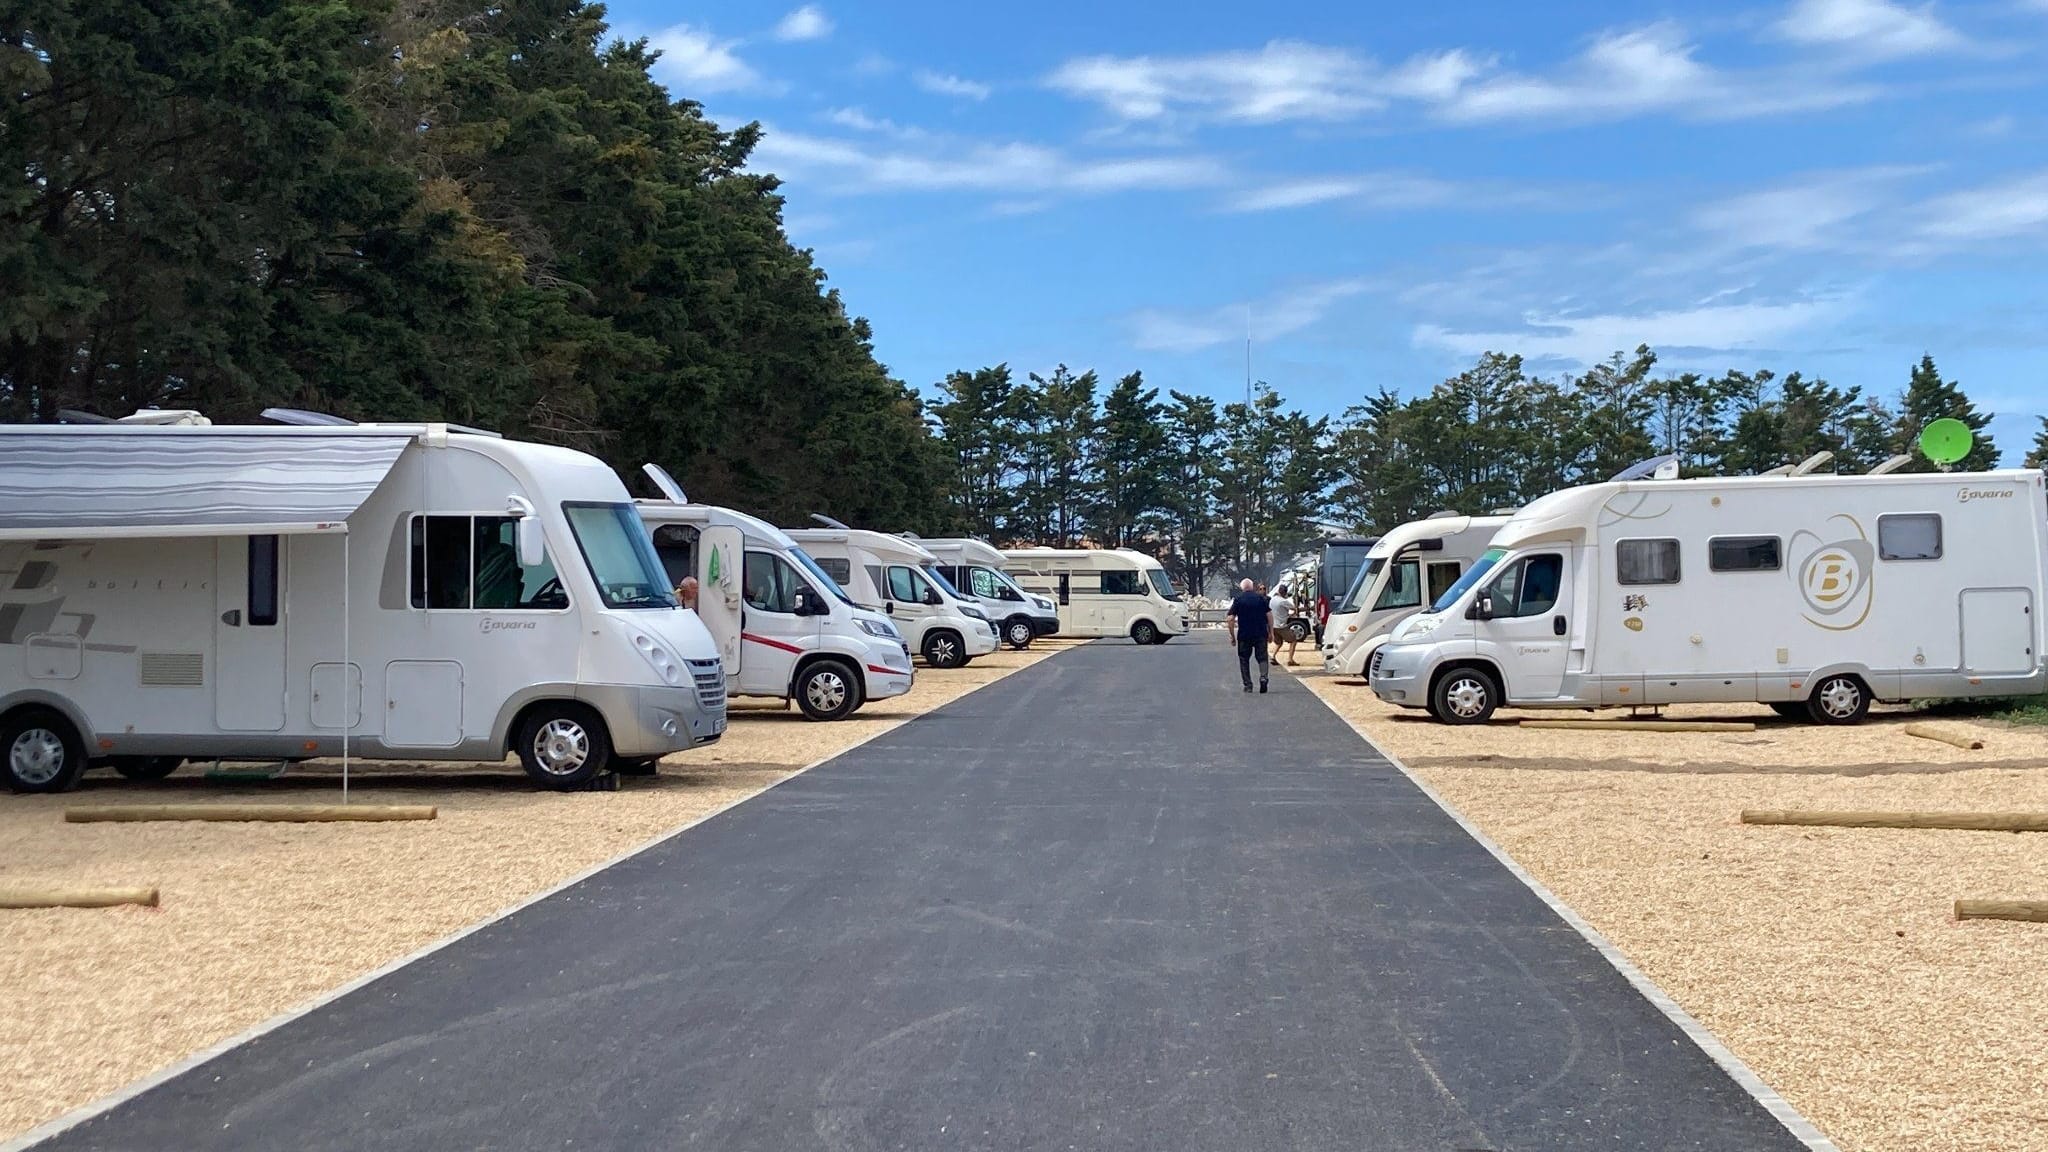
(563, 746)
(1298, 630)
(1145, 632)
(1838, 700)
(40, 751)
(945, 649)
(1790, 709)
(1019, 632)
(146, 767)
(637, 765)
(1465, 696)
(828, 690)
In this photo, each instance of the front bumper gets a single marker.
(1398, 678)
(886, 670)
(1043, 626)
(982, 640)
(647, 721)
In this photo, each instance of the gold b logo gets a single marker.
(1834, 577)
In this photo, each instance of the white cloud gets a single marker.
(806, 23)
(1812, 213)
(946, 84)
(1874, 28)
(1285, 80)
(858, 120)
(1586, 339)
(1157, 330)
(1015, 169)
(1378, 190)
(2008, 210)
(695, 61)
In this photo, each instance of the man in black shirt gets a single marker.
(1250, 623)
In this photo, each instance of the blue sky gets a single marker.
(1833, 186)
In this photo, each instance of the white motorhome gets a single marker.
(388, 591)
(1102, 591)
(975, 567)
(1813, 594)
(785, 629)
(1405, 571)
(901, 580)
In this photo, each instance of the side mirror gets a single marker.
(932, 597)
(1482, 609)
(806, 603)
(533, 545)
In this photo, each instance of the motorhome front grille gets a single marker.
(1377, 656)
(173, 669)
(709, 676)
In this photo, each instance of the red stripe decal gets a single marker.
(887, 671)
(770, 643)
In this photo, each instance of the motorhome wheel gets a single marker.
(563, 746)
(1019, 633)
(828, 690)
(42, 750)
(1465, 696)
(944, 649)
(1298, 629)
(1839, 700)
(147, 767)
(1145, 632)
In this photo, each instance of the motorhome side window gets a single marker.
(770, 584)
(472, 562)
(1910, 537)
(1744, 554)
(1441, 578)
(906, 585)
(1120, 582)
(840, 570)
(1646, 562)
(263, 581)
(1529, 588)
(1403, 590)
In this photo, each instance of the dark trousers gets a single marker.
(1248, 647)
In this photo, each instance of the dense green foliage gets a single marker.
(487, 214)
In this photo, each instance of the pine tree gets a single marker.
(2038, 458)
(1929, 398)
(1130, 463)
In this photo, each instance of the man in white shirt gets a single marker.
(1283, 631)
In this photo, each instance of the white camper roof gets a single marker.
(1081, 557)
(882, 545)
(703, 515)
(141, 480)
(1433, 528)
(971, 550)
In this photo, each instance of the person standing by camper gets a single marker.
(1250, 622)
(1283, 625)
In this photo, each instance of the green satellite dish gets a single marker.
(1946, 441)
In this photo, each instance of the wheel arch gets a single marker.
(38, 698)
(1480, 663)
(816, 656)
(514, 711)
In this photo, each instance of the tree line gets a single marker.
(492, 214)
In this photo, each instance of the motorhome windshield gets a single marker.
(999, 585)
(1354, 597)
(621, 559)
(1161, 584)
(824, 578)
(1473, 575)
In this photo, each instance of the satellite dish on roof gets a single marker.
(829, 522)
(1946, 441)
(665, 483)
(1655, 468)
(302, 418)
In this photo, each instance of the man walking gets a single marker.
(1250, 623)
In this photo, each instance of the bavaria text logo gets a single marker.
(1834, 577)
(1965, 495)
(488, 626)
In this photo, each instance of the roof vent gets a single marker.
(829, 522)
(302, 418)
(665, 483)
(1655, 468)
(1806, 466)
(1443, 515)
(1892, 465)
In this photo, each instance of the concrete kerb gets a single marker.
(130, 1091)
(1781, 1109)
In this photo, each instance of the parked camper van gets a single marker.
(1102, 591)
(1813, 594)
(1342, 557)
(1405, 572)
(901, 580)
(784, 628)
(975, 567)
(398, 591)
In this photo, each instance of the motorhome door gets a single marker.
(1530, 627)
(248, 631)
(721, 556)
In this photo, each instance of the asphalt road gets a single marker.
(1109, 902)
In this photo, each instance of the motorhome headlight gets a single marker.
(1042, 602)
(880, 628)
(659, 659)
(973, 613)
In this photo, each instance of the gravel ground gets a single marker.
(1827, 959)
(259, 917)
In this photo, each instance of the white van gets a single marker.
(1813, 594)
(900, 579)
(1102, 591)
(1405, 572)
(390, 591)
(784, 628)
(975, 567)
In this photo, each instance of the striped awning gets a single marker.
(99, 482)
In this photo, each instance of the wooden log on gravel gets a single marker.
(1644, 725)
(1930, 732)
(2034, 910)
(75, 897)
(1954, 821)
(281, 813)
